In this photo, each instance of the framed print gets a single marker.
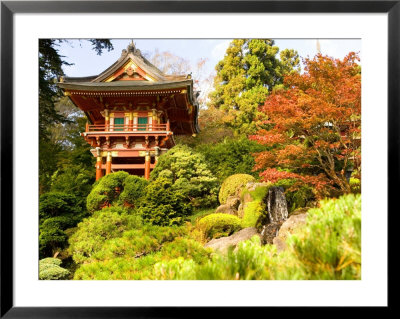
(209, 129)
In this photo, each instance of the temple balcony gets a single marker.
(124, 129)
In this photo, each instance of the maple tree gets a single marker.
(313, 128)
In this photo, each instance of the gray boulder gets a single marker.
(223, 244)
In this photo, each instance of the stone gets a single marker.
(233, 201)
(291, 224)
(279, 243)
(226, 209)
(223, 244)
(269, 232)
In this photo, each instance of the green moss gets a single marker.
(232, 186)
(219, 225)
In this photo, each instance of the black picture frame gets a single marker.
(9, 8)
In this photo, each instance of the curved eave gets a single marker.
(126, 86)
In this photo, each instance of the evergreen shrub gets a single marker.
(116, 188)
(50, 269)
(232, 185)
(162, 205)
(93, 231)
(219, 225)
(189, 175)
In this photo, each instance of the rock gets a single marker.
(251, 186)
(291, 224)
(231, 206)
(269, 232)
(222, 244)
(233, 201)
(226, 209)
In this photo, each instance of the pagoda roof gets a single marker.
(131, 55)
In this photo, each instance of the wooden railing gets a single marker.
(127, 127)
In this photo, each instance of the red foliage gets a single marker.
(314, 126)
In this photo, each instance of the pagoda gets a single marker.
(134, 111)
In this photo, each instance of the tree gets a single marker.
(50, 69)
(314, 127)
(245, 77)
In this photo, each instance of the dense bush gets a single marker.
(116, 188)
(92, 232)
(162, 205)
(232, 156)
(232, 185)
(57, 212)
(189, 174)
(54, 204)
(50, 269)
(327, 248)
(133, 190)
(73, 180)
(219, 225)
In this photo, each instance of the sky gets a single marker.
(86, 62)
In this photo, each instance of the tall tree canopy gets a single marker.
(314, 126)
(50, 69)
(245, 77)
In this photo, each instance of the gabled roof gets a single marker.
(131, 60)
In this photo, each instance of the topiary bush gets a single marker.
(54, 204)
(92, 232)
(189, 174)
(355, 185)
(50, 269)
(232, 185)
(116, 188)
(219, 225)
(162, 205)
(133, 190)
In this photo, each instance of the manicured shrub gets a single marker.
(133, 190)
(162, 205)
(92, 232)
(50, 269)
(55, 204)
(330, 246)
(57, 212)
(219, 225)
(232, 185)
(185, 248)
(189, 174)
(116, 188)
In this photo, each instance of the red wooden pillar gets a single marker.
(98, 168)
(108, 163)
(147, 166)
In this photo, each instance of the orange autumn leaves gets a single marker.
(313, 125)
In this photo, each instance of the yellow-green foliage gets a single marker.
(254, 210)
(219, 225)
(327, 248)
(124, 266)
(355, 185)
(50, 269)
(232, 185)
